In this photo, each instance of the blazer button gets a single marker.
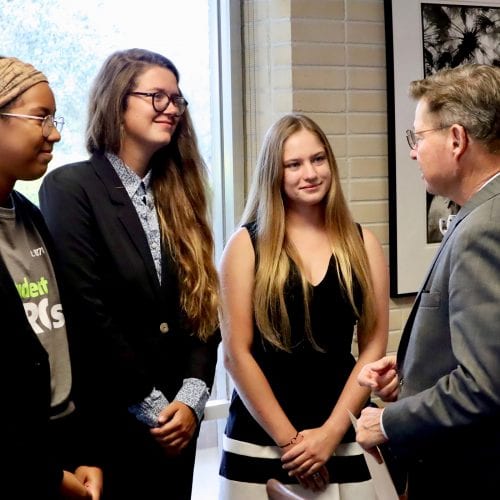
(164, 327)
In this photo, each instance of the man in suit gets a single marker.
(444, 385)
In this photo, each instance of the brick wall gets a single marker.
(326, 58)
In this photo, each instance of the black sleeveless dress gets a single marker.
(307, 384)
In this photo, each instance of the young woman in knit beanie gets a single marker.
(35, 371)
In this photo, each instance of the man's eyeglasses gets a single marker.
(413, 140)
(161, 101)
(48, 122)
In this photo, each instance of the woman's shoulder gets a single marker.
(251, 229)
(69, 171)
(241, 238)
(81, 173)
(368, 237)
(238, 249)
(373, 248)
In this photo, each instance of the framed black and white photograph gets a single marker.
(421, 38)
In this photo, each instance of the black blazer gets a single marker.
(29, 470)
(129, 334)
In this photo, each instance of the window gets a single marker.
(70, 39)
(69, 44)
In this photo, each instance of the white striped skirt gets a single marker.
(246, 467)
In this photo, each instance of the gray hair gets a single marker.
(468, 95)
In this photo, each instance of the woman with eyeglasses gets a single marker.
(40, 438)
(132, 229)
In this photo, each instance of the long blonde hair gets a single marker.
(179, 182)
(266, 207)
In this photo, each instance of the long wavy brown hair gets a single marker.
(266, 206)
(179, 182)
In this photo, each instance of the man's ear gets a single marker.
(460, 139)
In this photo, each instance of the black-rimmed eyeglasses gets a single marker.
(48, 122)
(161, 101)
(413, 140)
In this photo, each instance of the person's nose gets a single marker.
(172, 109)
(309, 171)
(54, 136)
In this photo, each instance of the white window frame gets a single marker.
(228, 153)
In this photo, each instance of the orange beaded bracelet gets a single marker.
(292, 441)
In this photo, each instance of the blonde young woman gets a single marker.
(296, 279)
(132, 230)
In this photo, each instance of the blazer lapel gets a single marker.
(126, 213)
(490, 190)
(405, 337)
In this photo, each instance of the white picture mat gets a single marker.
(413, 253)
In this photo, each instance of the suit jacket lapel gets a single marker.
(405, 337)
(490, 190)
(127, 213)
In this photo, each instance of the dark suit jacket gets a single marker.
(129, 332)
(449, 357)
(28, 470)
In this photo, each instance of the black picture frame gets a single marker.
(410, 56)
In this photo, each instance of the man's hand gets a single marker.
(369, 432)
(381, 377)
